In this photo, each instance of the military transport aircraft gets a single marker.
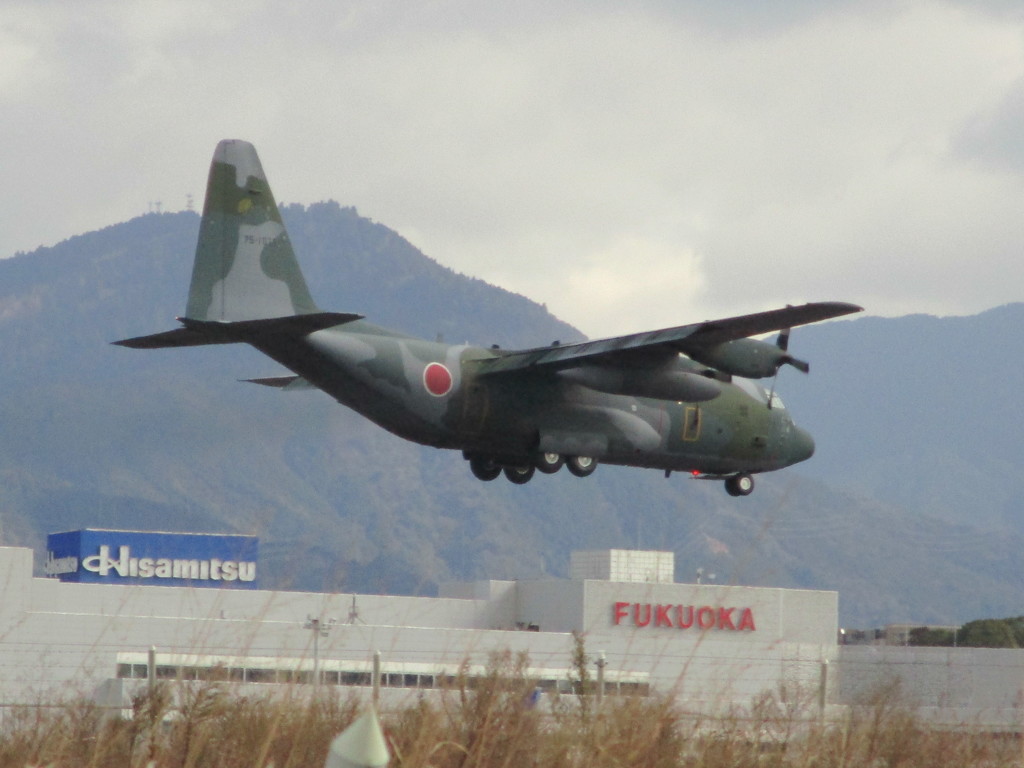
(678, 399)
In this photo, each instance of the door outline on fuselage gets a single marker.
(476, 407)
(692, 423)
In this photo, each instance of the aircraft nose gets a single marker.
(803, 444)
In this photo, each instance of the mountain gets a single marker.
(910, 509)
(922, 412)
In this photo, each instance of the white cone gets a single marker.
(361, 745)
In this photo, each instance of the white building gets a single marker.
(713, 646)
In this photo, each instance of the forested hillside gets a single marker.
(911, 509)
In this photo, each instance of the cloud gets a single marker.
(630, 166)
(993, 137)
(619, 281)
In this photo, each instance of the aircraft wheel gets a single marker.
(581, 466)
(549, 463)
(520, 475)
(484, 469)
(739, 485)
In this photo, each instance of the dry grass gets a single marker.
(491, 724)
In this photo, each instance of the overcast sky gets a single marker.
(631, 165)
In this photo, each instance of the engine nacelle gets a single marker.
(749, 358)
(658, 383)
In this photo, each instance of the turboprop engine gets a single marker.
(665, 383)
(749, 358)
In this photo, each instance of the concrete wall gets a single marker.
(970, 687)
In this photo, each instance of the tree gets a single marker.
(988, 633)
(930, 637)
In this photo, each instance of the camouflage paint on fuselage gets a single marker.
(380, 374)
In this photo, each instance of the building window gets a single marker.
(356, 678)
(261, 675)
(167, 672)
(217, 668)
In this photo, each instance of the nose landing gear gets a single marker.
(739, 485)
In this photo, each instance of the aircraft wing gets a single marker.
(687, 339)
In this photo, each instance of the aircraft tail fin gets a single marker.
(245, 268)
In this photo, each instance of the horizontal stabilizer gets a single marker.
(251, 330)
(282, 382)
(198, 332)
(179, 337)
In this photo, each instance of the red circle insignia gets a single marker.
(437, 379)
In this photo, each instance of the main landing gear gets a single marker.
(488, 468)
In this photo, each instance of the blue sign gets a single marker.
(224, 561)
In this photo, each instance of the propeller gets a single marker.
(783, 344)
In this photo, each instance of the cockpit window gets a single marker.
(752, 388)
(758, 392)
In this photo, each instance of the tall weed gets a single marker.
(489, 722)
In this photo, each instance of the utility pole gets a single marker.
(375, 680)
(320, 628)
(601, 663)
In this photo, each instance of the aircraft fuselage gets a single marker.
(436, 395)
